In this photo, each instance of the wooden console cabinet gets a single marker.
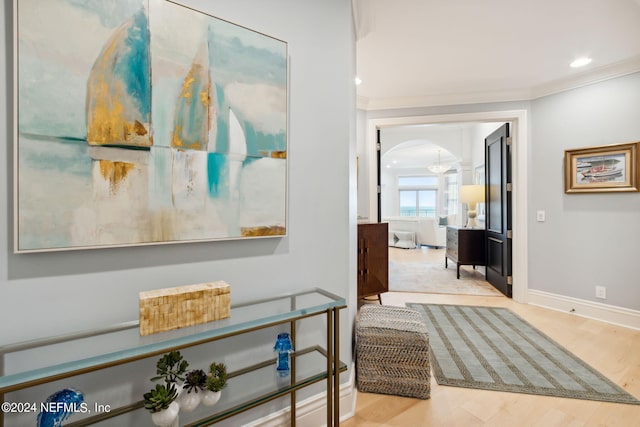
(465, 246)
(373, 259)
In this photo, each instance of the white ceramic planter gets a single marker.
(189, 401)
(179, 387)
(210, 398)
(167, 417)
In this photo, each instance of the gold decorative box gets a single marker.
(172, 308)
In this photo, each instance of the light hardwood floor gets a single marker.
(612, 350)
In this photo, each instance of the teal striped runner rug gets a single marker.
(492, 348)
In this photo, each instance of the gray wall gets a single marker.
(587, 240)
(52, 293)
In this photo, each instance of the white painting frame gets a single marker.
(194, 151)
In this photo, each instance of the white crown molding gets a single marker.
(363, 18)
(600, 74)
(596, 75)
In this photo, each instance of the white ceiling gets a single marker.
(439, 52)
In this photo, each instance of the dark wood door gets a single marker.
(498, 209)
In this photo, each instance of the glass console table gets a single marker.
(246, 389)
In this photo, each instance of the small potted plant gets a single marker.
(160, 401)
(171, 368)
(215, 382)
(194, 382)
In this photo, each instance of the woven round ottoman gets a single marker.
(392, 352)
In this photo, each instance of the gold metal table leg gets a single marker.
(336, 367)
(329, 367)
(293, 374)
(1, 394)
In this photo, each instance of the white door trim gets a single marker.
(518, 118)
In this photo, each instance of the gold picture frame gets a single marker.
(607, 168)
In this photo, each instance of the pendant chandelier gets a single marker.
(439, 168)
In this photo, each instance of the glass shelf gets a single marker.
(251, 387)
(36, 362)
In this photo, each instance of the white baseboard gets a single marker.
(312, 412)
(593, 310)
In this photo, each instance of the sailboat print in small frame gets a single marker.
(608, 168)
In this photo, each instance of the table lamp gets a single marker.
(472, 195)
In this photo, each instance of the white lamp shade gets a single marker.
(472, 194)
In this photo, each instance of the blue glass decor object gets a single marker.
(284, 348)
(60, 406)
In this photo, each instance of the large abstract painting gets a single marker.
(145, 122)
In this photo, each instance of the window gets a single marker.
(451, 182)
(418, 195)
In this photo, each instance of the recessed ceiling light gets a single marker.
(580, 62)
(358, 80)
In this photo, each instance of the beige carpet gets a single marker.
(493, 348)
(434, 278)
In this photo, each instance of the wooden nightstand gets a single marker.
(465, 246)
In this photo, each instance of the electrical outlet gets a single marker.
(601, 292)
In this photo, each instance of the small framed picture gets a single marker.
(609, 168)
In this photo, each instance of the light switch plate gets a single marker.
(540, 216)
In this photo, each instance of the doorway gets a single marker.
(519, 134)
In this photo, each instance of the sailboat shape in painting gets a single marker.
(194, 122)
(237, 153)
(194, 128)
(119, 88)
